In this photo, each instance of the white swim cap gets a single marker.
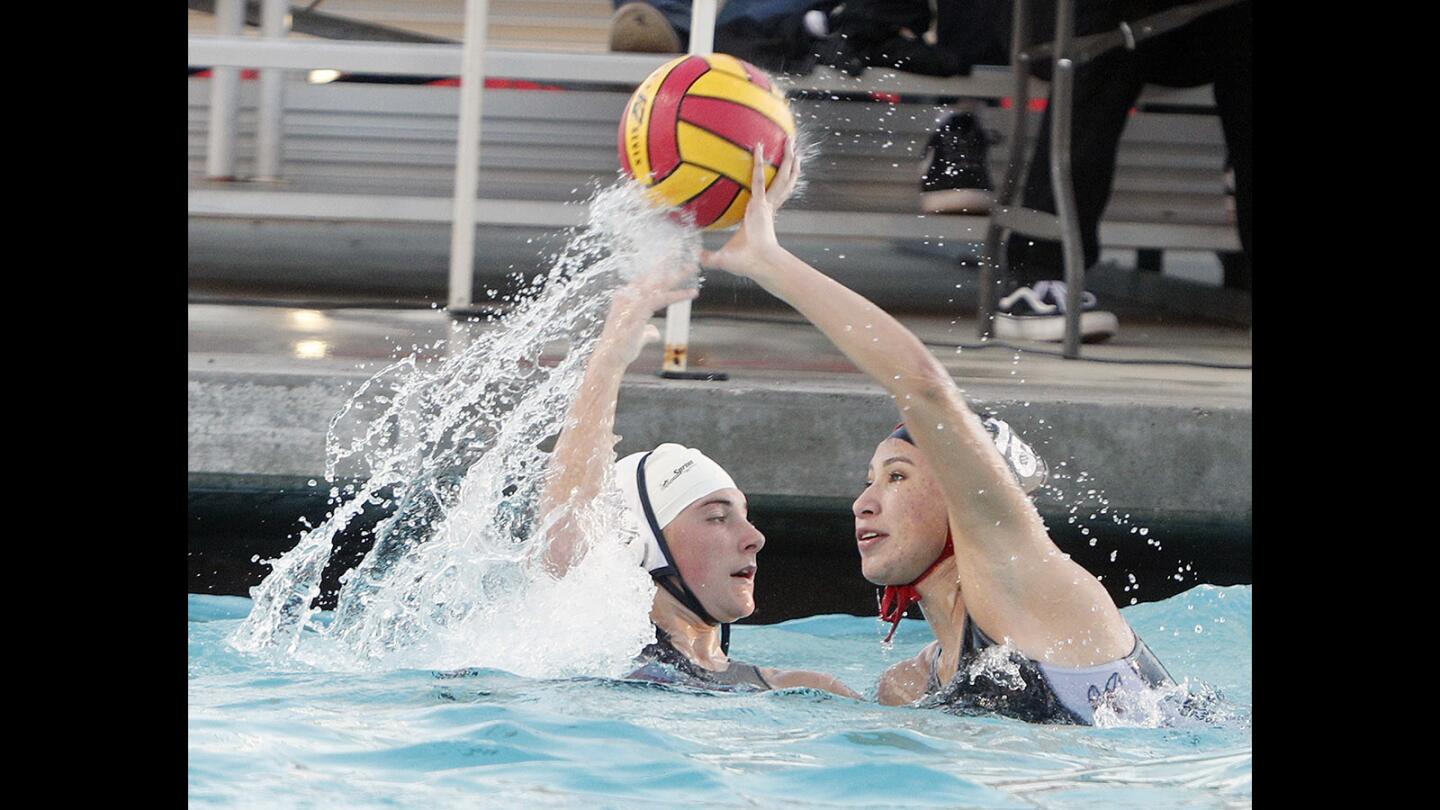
(1029, 469)
(675, 477)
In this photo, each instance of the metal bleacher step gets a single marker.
(371, 141)
(581, 25)
(387, 152)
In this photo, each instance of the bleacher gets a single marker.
(386, 152)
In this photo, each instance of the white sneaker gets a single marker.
(1038, 313)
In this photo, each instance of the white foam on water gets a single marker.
(1189, 703)
(452, 446)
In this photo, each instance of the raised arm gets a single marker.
(1016, 582)
(586, 445)
(995, 507)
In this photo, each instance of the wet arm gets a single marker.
(1017, 583)
(989, 508)
(800, 678)
(586, 446)
(992, 512)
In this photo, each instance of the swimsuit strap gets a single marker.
(736, 673)
(972, 640)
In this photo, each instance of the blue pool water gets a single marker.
(267, 734)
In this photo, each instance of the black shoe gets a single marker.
(957, 179)
(1038, 313)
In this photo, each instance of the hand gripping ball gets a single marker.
(690, 128)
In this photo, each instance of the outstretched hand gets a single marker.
(754, 241)
(627, 326)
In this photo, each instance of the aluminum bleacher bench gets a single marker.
(386, 152)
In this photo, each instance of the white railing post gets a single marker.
(702, 26)
(274, 25)
(224, 96)
(677, 316)
(467, 161)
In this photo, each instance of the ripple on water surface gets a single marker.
(263, 732)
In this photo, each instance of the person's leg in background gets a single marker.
(1217, 49)
(1234, 99)
(654, 26)
(1104, 92)
(760, 11)
(976, 32)
(663, 26)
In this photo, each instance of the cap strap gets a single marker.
(896, 599)
(667, 576)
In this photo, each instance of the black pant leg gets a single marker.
(1105, 91)
(1234, 97)
(976, 32)
(1216, 49)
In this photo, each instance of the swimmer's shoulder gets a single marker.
(802, 678)
(909, 680)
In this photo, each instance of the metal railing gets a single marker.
(677, 315)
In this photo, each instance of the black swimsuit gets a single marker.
(1015, 686)
(660, 662)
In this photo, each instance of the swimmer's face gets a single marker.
(900, 517)
(715, 545)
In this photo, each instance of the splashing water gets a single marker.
(453, 446)
(1001, 672)
(1189, 703)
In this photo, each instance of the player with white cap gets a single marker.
(692, 531)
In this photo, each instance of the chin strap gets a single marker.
(896, 599)
(682, 593)
(668, 576)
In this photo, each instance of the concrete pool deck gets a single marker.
(1159, 439)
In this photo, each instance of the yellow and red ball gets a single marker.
(689, 130)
